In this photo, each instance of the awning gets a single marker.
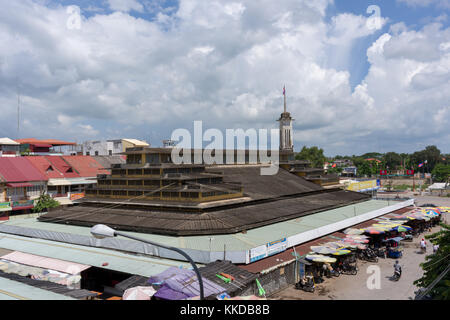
(19, 185)
(46, 263)
(67, 182)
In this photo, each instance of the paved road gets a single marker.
(347, 287)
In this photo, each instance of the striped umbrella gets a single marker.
(402, 228)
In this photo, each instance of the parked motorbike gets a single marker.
(348, 269)
(368, 255)
(306, 285)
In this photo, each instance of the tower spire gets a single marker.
(284, 94)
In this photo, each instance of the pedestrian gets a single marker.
(423, 245)
(435, 248)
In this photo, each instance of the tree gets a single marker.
(313, 154)
(436, 264)
(441, 173)
(364, 169)
(392, 160)
(44, 202)
(431, 154)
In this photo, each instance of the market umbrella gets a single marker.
(432, 213)
(322, 249)
(139, 293)
(353, 231)
(341, 252)
(373, 231)
(362, 236)
(402, 228)
(356, 240)
(313, 256)
(325, 259)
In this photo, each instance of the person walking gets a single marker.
(423, 245)
(435, 248)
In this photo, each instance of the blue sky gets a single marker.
(141, 69)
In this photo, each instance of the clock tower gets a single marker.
(286, 132)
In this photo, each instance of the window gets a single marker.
(110, 152)
(96, 153)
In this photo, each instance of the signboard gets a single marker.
(410, 172)
(363, 186)
(5, 206)
(276, 246)
(258, 253)
(383, 172)
(76, 196)
(22, 204)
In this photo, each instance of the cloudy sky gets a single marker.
(360, 75)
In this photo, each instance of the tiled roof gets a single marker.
(86, 166)
(45, 167)
(62, 166)
(52, 142)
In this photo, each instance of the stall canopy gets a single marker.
(44, 262)
(18, 185)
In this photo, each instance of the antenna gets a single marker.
(18, 111)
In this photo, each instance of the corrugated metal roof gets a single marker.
(86, 166)
(13, 290)
(132, 264)
(44, 262)
(19, 169)
(229, 242)
(8, 142)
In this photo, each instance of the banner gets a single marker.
(363, 186)
(22, 204)
(276, 246)
(5, 206)
(76, 196)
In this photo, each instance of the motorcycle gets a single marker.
(368, 255)
(348, 269)
(306, 285)
(397, 275)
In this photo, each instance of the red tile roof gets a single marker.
(19, 169)
(62, 166)
(52, 142)
(45, 167)
(86, 166)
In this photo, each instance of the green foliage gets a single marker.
(44, 202)
(441, 172)
(313, 154)
(431, 154)
(335, 170)
(392, 160)
(436, 263)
